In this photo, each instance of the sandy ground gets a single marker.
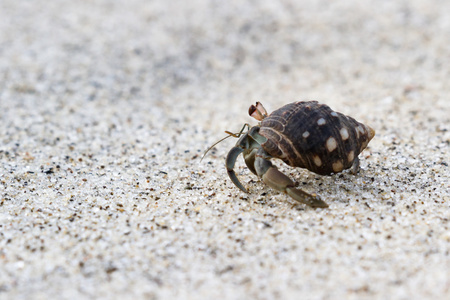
(107, 106)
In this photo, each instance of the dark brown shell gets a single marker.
(310, 135)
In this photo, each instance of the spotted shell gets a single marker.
(311, 135)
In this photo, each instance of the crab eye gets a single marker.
(251, 110)
(258, 112)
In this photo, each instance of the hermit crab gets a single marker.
(304, 134)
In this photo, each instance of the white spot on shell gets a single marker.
(317, 160)
(321, 121)
(360, 129)
(350, 156)
(331, 144)
(344, 133)
(334, 114)
(305, 134)
(338, 166)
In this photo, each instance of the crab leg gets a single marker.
(355, 166)
(277, 180)
(231, 160)
(248, 143)
(249, 157)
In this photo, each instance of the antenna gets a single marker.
(230, 134)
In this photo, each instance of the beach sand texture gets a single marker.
(106, 108)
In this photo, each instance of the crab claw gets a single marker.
(277, 180)
(312, 200)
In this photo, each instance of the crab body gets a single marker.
(303, 134)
